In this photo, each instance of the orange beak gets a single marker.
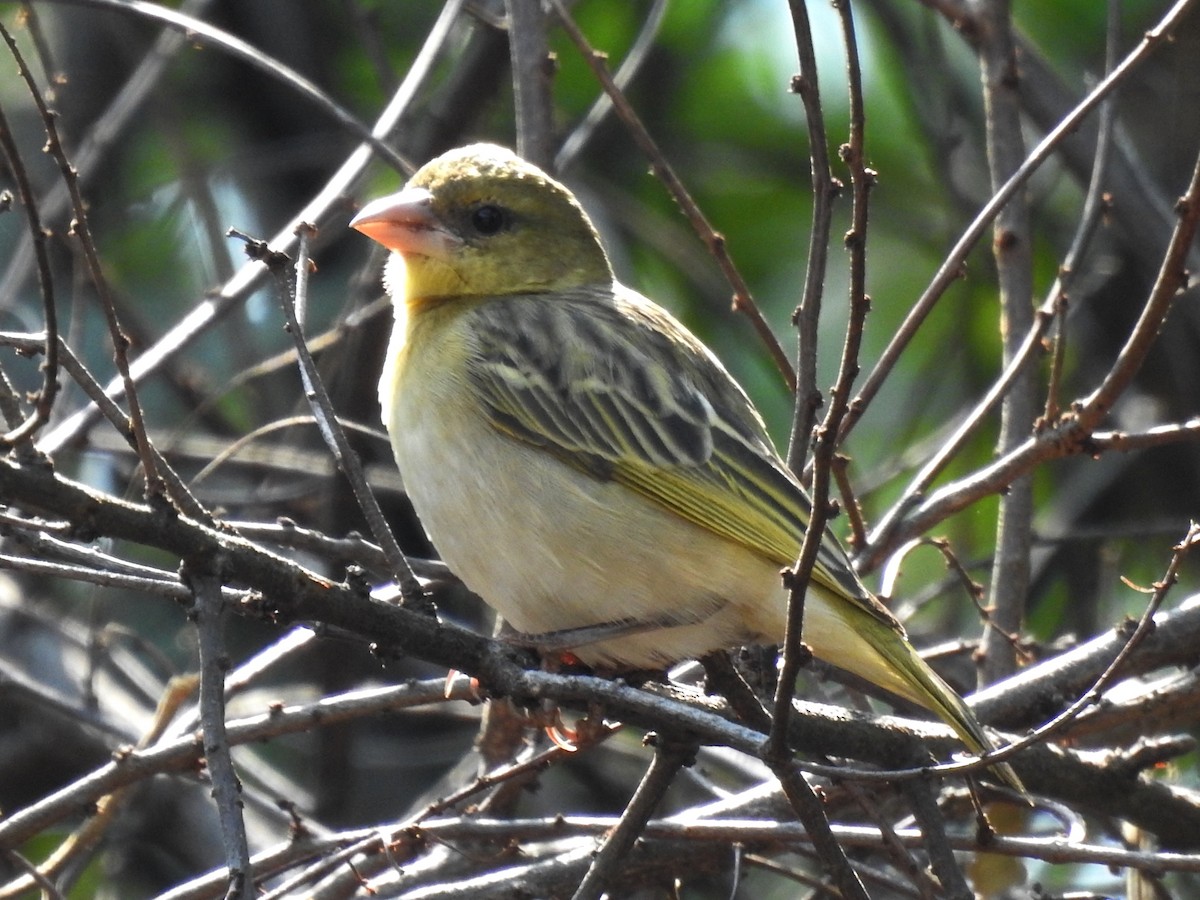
(407, 224)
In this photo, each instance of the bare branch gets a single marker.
(742, 300)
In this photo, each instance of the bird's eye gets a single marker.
(488, 219)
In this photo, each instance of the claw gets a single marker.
(560, 734)
(562, 737)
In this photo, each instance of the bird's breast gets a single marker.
(548, 546)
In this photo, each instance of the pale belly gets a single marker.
(551, 549)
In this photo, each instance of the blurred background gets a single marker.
(176, 141)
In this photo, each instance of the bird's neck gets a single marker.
(421, 281)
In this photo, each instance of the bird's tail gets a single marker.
(925, 687)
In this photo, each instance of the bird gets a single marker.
(582, 461)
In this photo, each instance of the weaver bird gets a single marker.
(581, 460)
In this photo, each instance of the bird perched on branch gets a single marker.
(582, 461)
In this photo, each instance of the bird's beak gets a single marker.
(406, 223)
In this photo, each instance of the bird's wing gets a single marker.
(661, 416)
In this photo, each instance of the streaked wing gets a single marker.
(641, 415)
(569, 383)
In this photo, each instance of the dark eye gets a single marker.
(488, 219)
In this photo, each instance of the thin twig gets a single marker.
(669, 757)
(1158, 436)
(819, 888)
(854, 513)
(811, 812)
(639, 52)
(1094, 205)
(797, 580)
(825, 190)
(516, 771)
(209, 612)
(357, 318)
(777, 751)
(1095, 693)
(853, 154)
(742, 300)
(725, 680)
(951, 880)
(952, 264)
(166, 585)
(156, 488)
(292, 294)
(502, 742)
(869, 802)
(318, 210)
(1073, 431)
(35, 232)
(10, 406)
(1020, 364)
(1052, 848)
(245, 441)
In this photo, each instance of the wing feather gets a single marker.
(641, 415)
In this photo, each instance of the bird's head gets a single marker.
(481, 221)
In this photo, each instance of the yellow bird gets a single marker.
(579, 458)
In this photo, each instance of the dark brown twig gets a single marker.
(743, 302)
(854, 513)
(825, 189)
(811, 812)
(726, 680)
(639, 51)
(669, 757)
(869, 802)
(156, 488)
(1073, 431)
(329, 199)
(952, 883)
(209, 614)
(952, 264)
(293, 291)
(45, 400)
(853, 155)
(797, 579)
